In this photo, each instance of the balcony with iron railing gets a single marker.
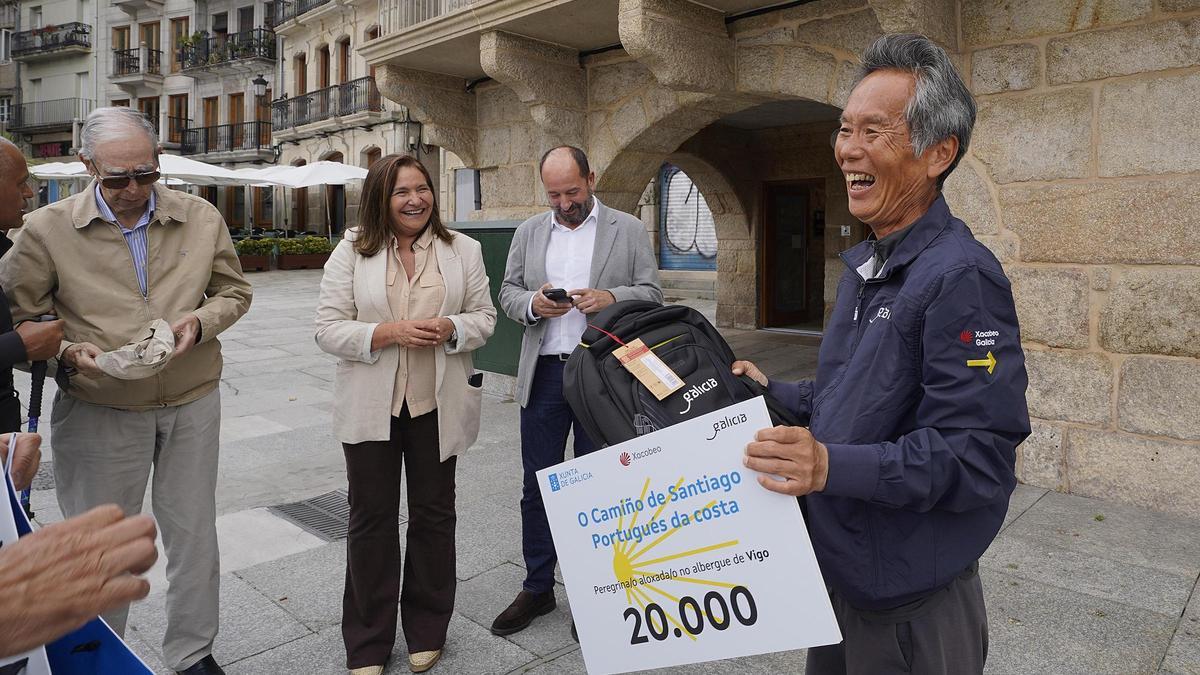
(175, 128)
(398, 15)
(46, 116)
(287, 12)
(337, 106)
(240, 141)
(52, 41)
(244, 52)
(140, 65)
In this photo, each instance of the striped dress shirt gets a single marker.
(136, 239)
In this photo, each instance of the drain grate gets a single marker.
(326, 516)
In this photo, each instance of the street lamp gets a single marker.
(260, 86)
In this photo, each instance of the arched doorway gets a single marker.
(777, 198)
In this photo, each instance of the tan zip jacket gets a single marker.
(68, 260)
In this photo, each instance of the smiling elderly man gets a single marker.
(121, 253)
(919, 401)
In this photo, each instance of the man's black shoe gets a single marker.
(205, 666)
(527, 607)
(574, 633)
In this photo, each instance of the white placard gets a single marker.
(673, 553)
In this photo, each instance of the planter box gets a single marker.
(306, 261)
(255, 263)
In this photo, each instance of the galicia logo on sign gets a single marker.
(554, 486)
(624, 459)
(696, 392)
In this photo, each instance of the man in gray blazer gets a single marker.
(598, 256)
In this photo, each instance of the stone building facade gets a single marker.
(1077, 177)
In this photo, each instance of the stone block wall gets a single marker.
(1081, 177)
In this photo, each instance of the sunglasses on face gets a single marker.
(122, 181)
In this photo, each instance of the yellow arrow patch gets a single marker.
(989, 363)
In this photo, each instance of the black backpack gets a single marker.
(613, 406)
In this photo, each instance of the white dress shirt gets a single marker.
(569, 267)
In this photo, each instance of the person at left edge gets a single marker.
(122, 252)
(32, 340)
(404, 301)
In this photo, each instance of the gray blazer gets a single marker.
(622, 263)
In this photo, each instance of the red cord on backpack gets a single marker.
(619, 340)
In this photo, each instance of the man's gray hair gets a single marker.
(941, 105)
(4, 159)
(106, 124)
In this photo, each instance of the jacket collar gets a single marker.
(168, 207)
(920, 234)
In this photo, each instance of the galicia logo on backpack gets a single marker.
(696, 392)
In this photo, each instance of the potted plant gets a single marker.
(255, 254)
(304, 253)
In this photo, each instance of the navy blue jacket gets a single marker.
(922, 434)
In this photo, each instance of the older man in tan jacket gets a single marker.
(121, 253)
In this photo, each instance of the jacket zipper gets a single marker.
(158, 378)
(862, 287)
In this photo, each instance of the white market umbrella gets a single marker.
(310, 175)
(197, 173)
(58, 170)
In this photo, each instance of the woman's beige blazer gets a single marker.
(354, 301)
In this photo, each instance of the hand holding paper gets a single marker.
(26, 455)
(65, 574)
(797, 462)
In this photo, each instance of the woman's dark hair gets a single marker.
(374, 213)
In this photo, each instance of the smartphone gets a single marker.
(475, 380)
(557, 295)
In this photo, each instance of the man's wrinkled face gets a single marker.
(886, 184)
(14, 187)
(127, 156)
(569, 192)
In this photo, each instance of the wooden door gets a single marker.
(792, 274)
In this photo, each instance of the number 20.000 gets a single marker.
(716, 613)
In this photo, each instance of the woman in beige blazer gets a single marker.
(404, 301)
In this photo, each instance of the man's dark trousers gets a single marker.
(942, 634)
(545, 422)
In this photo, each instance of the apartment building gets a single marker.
(10, 12)
(202, 72)
(330, 108)
(52, 43)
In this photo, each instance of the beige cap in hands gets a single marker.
(144, 355)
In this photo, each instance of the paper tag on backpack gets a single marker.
(648, 368)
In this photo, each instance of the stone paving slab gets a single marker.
(250, 623)
(1023, 497)
(482, 598)
(1114, 531)
(1036, 628)
(1183, 656)
(1148, 588)
(307, 585)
